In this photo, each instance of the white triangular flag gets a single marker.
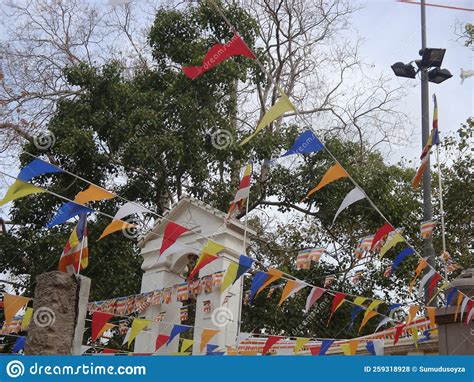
(385, 321)
(127, 336)
(463, 306)
(129, 208)
(424, 280)
(353, 196)
(379, 346)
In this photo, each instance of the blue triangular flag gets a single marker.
(258, 280)
(177, 329)
(35, 168)
(66, 212)
(245, 263)
(401, 256)
(325, 345)
(370, 347)
(394, 306)
(355, 311)
(19, 344)
(304, 144)
(210, 348)
(450, 296)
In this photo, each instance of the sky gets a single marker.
(392, 32)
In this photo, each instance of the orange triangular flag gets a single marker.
(431, 310)
(368, 315)
(206, 336)
(92, 193)
(353, 344)
(106, 327)
(458, 304)
(422, 264)
(334, 173)
(12, 304)
(115, 225)
(274, 274)
(412, 311)
(290, 289)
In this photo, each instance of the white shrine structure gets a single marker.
(204, 222)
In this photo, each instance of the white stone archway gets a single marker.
(166, 271)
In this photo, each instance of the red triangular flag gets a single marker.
(99, 319)
(109, 351)
(434, 280)
(217, 54)
(171, 234)
(314, 350)
(384, 230)
(160, 341)
(398, 333)
(336, 303)
(272, 340)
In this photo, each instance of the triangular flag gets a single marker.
(273, 275)
(412, 311)
(35, 168)
(217, 54)
(110, 351)
(458, 304)
(106, 327)
(130, 208)
(375, 347)
(433, 282)
(431, 311)
(99, 319)
(383, 322)
(271, 340)
(92, 193)
(335, 172)
(127, 336)
(353, 196)
(290, 289)
(314, 296)
(401, 256)
(170, 235)
(67, 211)
(314, 350)
(177, 329)
(206, 336)
(19, 344)
(210, 348)
(300, 342)
(229, 276)
(367, 316)
(161, 339)
(398, 333)
(381, 233)
(422, 264)
(258, 279)
(186, 344)
(397, 238)
(337, 301)
(414, 334)
(354, 313)
(304, 144)
(325, 345)
(25, 322)
(19, 190)
(138, 325)
(277, 110)
(424, 281)
(245, 263)
(451, 294)
(463, 306)
(353, 344)
(12, 304)
(470, 311)
(114, 226)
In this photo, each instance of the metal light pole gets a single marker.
(428, 249)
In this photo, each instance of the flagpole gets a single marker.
(441, 209)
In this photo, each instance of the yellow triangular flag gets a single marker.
(138, 325)
(206, 336)
(374, 304)
(229, 276)
(397, 238)
(359, 300)
(115, 225)
(458, 304)
(300, 342)
(367, 316)
(186, 344)
(278, 109)
(18, 190)
(335, 172)
(414, 334)
(346, 349)
(25, 322)
(106, 327)
(93, 193)
(12, 304)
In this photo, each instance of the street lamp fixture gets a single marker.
(437, 75)
(404, 70)
(431, 58)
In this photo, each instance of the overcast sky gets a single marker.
(392, 33)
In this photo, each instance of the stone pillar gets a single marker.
(59, 312)
(456, 338)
